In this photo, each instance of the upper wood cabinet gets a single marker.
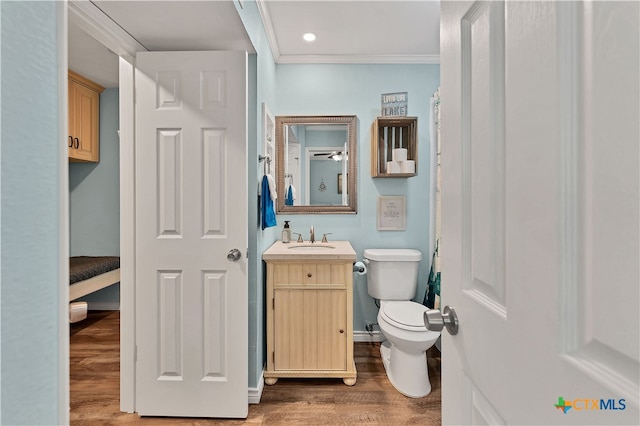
(84, 119)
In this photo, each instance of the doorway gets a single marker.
(105, 37)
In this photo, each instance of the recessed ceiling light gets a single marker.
(309, 36)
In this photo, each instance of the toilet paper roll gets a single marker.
(393, 167)
(399, 154)
(359, 268)
(408, 166)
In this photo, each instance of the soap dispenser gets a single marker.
(286, 232)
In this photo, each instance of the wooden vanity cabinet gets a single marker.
(84, 119)
(310, 319)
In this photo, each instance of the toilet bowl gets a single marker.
(404, 352)
(392, 279)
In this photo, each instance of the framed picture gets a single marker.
(340, 183)
(392, 213)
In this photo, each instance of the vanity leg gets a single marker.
(270, 380)
(349, 381)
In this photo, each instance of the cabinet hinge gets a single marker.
(273, 357)
(273, 303)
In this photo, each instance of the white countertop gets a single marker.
(333, 250)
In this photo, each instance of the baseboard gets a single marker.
(256, 393)
(365, 336)
(104, 306)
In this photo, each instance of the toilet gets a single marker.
(392, 278)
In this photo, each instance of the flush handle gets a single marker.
(435, 320)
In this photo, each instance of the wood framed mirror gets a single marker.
(313, 154)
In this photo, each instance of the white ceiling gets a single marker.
(359, 31)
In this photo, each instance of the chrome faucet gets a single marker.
(312, 235)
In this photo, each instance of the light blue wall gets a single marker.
(30, 200)
(94, 199)
(262, 88)
(325, 171)
(355, 90)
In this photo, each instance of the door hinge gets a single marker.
(135, 354)
(247, 252)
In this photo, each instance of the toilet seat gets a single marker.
(405, 315)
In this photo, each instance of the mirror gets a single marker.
(316, 164)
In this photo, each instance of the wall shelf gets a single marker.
(387, 134)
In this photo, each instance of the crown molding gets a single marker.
(358, 59)
(267, 23)
(96, 23)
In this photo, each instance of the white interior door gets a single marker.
(540, 242)
(191, 211)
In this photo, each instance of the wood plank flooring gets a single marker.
(95, 389)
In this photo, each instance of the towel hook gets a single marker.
(267, 163)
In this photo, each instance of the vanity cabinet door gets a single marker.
(310, 329)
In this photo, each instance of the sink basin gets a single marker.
(294, 251)
(311, 246)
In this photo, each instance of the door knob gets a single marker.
(234, 255)
(435, 321)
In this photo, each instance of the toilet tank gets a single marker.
(392, 274)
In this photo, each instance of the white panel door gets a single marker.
(191, 210)
(540, 197)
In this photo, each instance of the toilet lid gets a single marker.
(406, 314)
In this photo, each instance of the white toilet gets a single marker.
(392, 278)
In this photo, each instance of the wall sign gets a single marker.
(392, 213)
(394, 104)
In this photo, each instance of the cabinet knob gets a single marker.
(341, 331)
(309, 274)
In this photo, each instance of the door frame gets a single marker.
(99, 26)
(62, 37)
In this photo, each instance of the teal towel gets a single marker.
(266, 206)
(433, 286)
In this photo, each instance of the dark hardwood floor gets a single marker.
(95, 388)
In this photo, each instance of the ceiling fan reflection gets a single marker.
(334, 155)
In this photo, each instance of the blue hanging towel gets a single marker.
(266, 205)
(289, 198)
